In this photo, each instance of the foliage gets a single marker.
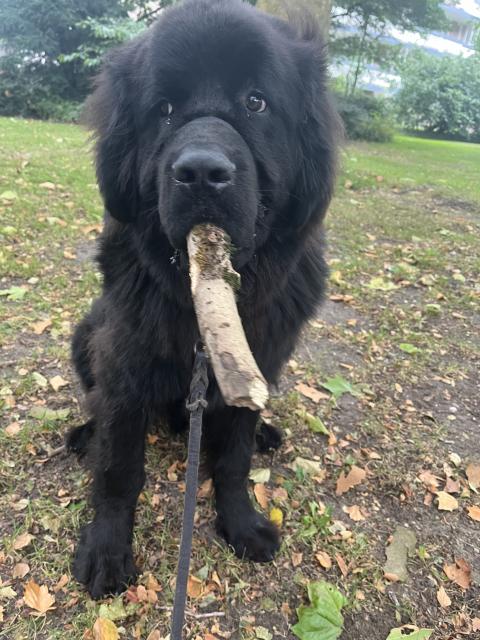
(366, 117)
(365, 23)
(323, 619)
(441, 95)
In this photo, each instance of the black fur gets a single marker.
(134, 351)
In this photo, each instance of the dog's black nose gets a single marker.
(201, 168)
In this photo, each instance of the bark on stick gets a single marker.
(213, 282)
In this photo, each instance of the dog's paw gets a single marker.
(268, 438)
(253, 538)
(78, 439)
(104, 568)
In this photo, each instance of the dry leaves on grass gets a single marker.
(324, 560)
(346, 482)
(354, 513)
(460, 573)
(22, 541)
(40, 326)
(38, 598)
(446, 502)
(474, 513)
(13, 429)
(195, 587)
(57, 382)
(20, 570)
(105, 629)
(430, 480)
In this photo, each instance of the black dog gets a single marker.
(217, 113)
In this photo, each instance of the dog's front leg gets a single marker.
(104, 559)
(230, 440)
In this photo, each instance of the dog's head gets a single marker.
(217, 113)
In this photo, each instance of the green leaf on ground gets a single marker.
(8, 195)
(48, 415)
(14, 293)
(260, 476)
(412, 633)
(323, 619)
(338, 386)
(409, 348)
(116, 610)
(380, 284)
(314, 423)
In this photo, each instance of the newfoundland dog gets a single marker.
(217, 113)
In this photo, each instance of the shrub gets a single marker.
(366, 117)
(441, 96)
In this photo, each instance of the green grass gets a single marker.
(415, 230)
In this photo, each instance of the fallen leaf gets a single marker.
(323, 618)
(276, 516)
(476, 624)
(261, 495)
(455, 459)
(13, 429)
(297, 559)
(259, 476)
(314, 423)
(446, 502)
(474, 513)
(460, 573)
(355, 477)
(154, 635)
(38, 598)
(324, 560)
(63, 581)
(354, 513)
(429, 480)
(49, 415)
(443, 599)
(338, 386)
(402, 545)
(22, 541)
(195, 587)
(452, 486)
(411, 632)
(20, 570)
(409, 348)
(8, 195)
(473, 475)
(310, 392)
(206, 489)
(380, 284)
(311, 467)
(342, 565)
(57, 382)
(7, 593)
(47, 185)
(105, 629)
(40, 326)
(262, 633)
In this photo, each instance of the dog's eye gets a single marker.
(166, 108)
(256, 102)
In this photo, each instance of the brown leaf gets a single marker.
(154, 635)
(104, 629)
(64, 580)
(474, 513)
(22, 541)
(429, 480)
(20, 570)
(57, 382)
(171, 472)
(342, 565)
(40, 326)
(13, 429)
(355, 477)
(476, 624)
(152, 583)
(297, 559)
(38, 598)
(195, 587)
(280, 494)
(206, 489)
(443, 599)
(311, 393)
(47, 185)
(446, 502)
(146, 595)
(354, 513)
(473, 475)
(460, 573)
(261, 494)
(324, 560)
(452, 486)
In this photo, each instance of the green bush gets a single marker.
(366, 117)
(441, 96)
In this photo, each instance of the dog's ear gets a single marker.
(320, 132)
(109, 113)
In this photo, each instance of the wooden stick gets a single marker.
(213, 281)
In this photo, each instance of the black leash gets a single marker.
(196, 404)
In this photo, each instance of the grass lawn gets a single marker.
(396, 344)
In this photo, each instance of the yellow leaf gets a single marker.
(276, 516)
(38, 598)
(261, 494)
(40, 326)
(104, 629)
(446, 502)
(195, 587)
